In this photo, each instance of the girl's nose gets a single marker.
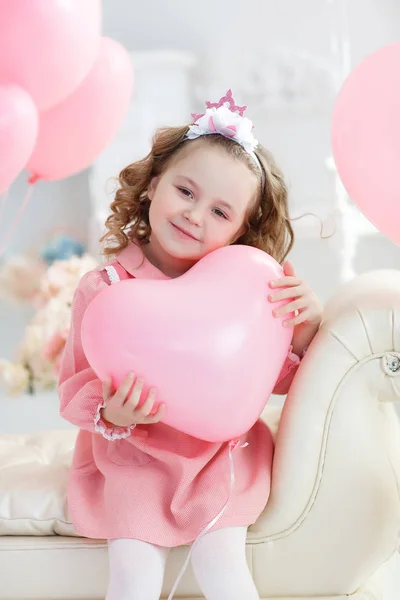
(194, 215)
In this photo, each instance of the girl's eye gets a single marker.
(219, 213)
(186, 192)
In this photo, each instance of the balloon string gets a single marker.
(16, 222)
(232, 445)
(3, 203)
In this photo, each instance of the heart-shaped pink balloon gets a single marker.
(206, 340)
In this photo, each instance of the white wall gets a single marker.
(180, 24)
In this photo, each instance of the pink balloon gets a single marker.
(74, 133)
(48, 46)
(366, 138)
(18, 132)
(206, 340)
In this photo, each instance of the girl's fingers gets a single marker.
(292, 292)
(148, 404)
(288, 268)
(135, 395)
(122, 392)
(158, 416)
(285, 282)
(291, 307)
(300, 318)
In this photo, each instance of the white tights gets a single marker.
(218, 561)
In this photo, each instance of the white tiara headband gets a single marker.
(226, 119)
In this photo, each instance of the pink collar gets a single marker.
(133, 260)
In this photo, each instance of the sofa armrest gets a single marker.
(336, 472)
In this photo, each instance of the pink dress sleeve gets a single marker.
(287, 374)
(79, 389)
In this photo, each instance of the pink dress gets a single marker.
(152, 483)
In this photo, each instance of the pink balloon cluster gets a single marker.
(64, 89)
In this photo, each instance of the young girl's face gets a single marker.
(200, 203)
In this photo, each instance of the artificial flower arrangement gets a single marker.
(47, 282)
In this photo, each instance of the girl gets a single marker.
(134, 481)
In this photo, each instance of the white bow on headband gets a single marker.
(225, 118)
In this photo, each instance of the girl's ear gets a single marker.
(152, 188)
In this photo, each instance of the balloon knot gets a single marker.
(34, 178)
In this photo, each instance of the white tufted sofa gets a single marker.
(333, 517)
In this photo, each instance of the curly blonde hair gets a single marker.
(267, 225)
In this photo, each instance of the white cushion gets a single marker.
(33, 483)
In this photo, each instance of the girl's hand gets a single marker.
(304, 303)
(122, 407)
